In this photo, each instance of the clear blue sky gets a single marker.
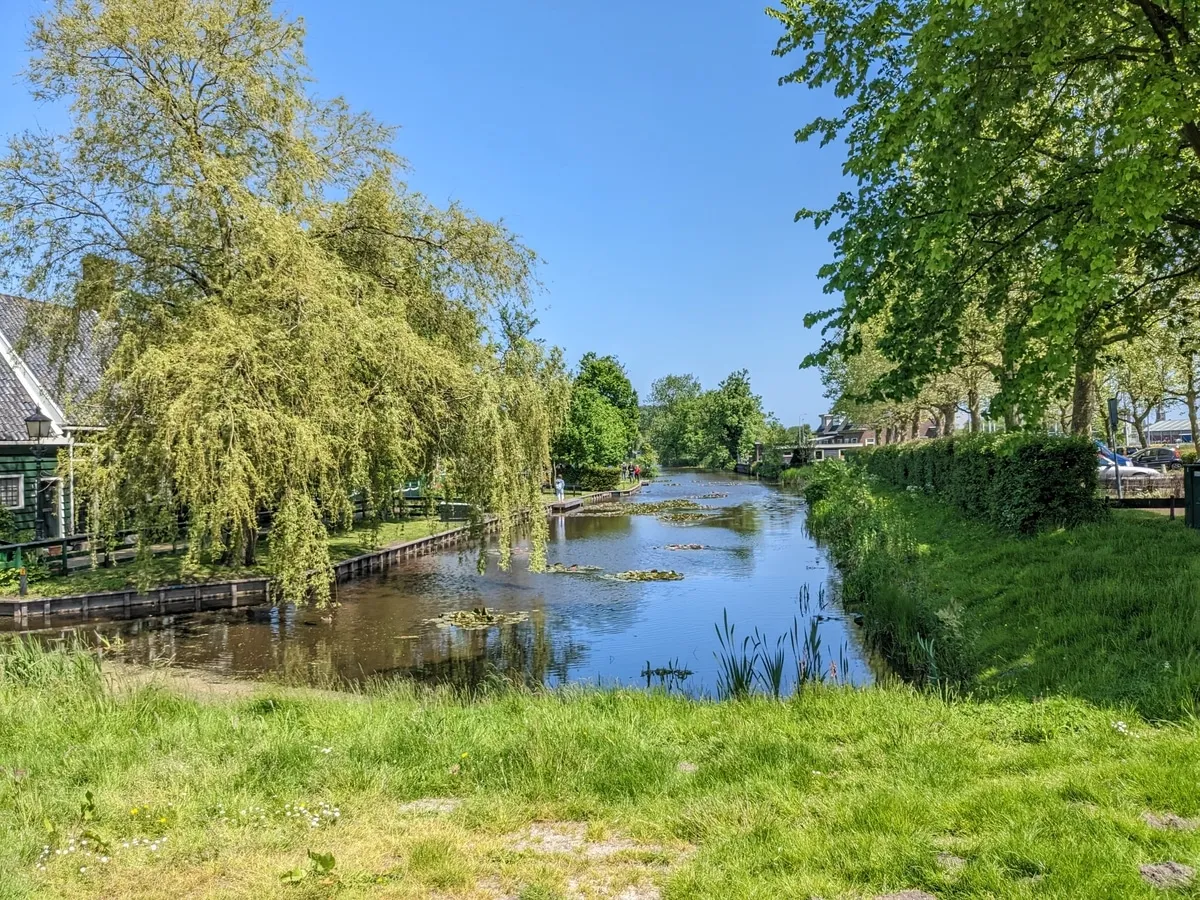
(643, 149)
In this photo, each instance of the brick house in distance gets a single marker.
(837, 436)
(39, 495)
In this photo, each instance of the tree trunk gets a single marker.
(973, 410)
(1191, 402)
(249, 546)
(1139, 425)
(1082, 408)
(916, 425)
(948, 411)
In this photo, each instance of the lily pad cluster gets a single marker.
(683, 517)
(649, 575)
(560, 569)
(478, 618)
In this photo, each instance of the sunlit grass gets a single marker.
(836, 793)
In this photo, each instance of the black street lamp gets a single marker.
(39, 427)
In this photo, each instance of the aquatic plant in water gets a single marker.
(649, 575)
(735, 677)
(560, 569)
(670, 676)
(477, 618)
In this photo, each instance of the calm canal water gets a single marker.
(759, 565)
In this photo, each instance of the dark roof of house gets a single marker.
(70, 379)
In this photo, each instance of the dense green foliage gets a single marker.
(880, 561)
(1018, 482)
(1025, 178)
(673, 418)
(1068, 612)
(289, 324)
(688, 426)
(602, 423)
(595, 478)
(606, 376)
(837, 793)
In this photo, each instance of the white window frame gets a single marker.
(20, 489)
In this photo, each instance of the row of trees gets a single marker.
(1022, 224)
(689, 426)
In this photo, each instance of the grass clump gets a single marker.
(832, 793)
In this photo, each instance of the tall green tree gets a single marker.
(289, 323)
(1038, 154)
(594, 434)
(606, 376)
(673, 423)
(733, 419)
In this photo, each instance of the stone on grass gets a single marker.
(1168, 874)
(688, 768)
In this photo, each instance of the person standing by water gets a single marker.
(560, 487)
(637, 474)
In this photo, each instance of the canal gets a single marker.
(758, 569)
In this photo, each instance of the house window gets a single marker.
(12, 491)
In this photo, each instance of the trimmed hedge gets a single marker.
(1019, 482)
(595, 478)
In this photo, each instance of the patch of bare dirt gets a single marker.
(571, 837)
(1167, 875)
(430, 806)
(1170, 822)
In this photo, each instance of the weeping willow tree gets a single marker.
(288, 325)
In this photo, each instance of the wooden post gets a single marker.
(233, 598)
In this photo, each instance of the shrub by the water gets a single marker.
(1019, 482)
(596, 478)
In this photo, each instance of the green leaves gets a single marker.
(320, 865)
(1040, 161)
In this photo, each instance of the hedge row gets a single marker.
(595, 478)
(1018, 482)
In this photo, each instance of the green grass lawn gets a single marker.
(1109, 613)
(836, 793)
(169, 569)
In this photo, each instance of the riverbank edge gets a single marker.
(954, 603)
(241, 592)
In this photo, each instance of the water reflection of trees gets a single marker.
(742, 519)
(527, 653)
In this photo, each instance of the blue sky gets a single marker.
(643, 149)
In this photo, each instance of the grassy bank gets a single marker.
(194, 791)
(1106, 612)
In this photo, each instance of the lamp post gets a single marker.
(39, 427)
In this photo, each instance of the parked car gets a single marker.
(1129, 451)
(1158, 458)
(1108, 472)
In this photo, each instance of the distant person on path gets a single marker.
(560, 487)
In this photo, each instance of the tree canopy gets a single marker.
(689, 426)
(602, 427)
(1035, 163)
(290, 325)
